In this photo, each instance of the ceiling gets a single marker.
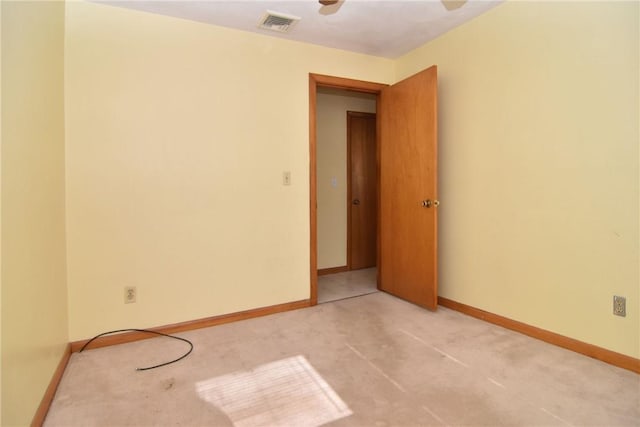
(388, 28)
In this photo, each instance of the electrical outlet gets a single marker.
(619, 306)
(130, 294)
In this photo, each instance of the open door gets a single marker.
(408, 264)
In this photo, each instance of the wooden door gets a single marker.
(407, 114)
(362, 197)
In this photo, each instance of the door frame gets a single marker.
(351, 114)
(315, 81)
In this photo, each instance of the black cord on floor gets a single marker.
(149, 332)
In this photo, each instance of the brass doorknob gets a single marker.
(356, 202)
(428, 203)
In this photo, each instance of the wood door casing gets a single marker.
(427, 296)
(315, 81)
(362, 191)
(407, 114)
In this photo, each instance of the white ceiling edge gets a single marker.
(383, 28)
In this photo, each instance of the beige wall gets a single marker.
(34, 293)
(0, 215)
(178, 134)
(177, 137)
(332, 107)
(539, 165)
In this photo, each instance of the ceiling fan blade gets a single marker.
(329, 7)
(453, 4)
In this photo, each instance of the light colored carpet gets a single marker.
(348, 284)
(389, 362)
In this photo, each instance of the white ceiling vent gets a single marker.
(276, 21)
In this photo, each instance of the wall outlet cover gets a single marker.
(619, 306)
(130, 294)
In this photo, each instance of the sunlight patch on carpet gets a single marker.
(288, 392)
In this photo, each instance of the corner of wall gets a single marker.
(34, 310)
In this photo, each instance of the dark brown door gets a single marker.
(362, 192)
(407, 114)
